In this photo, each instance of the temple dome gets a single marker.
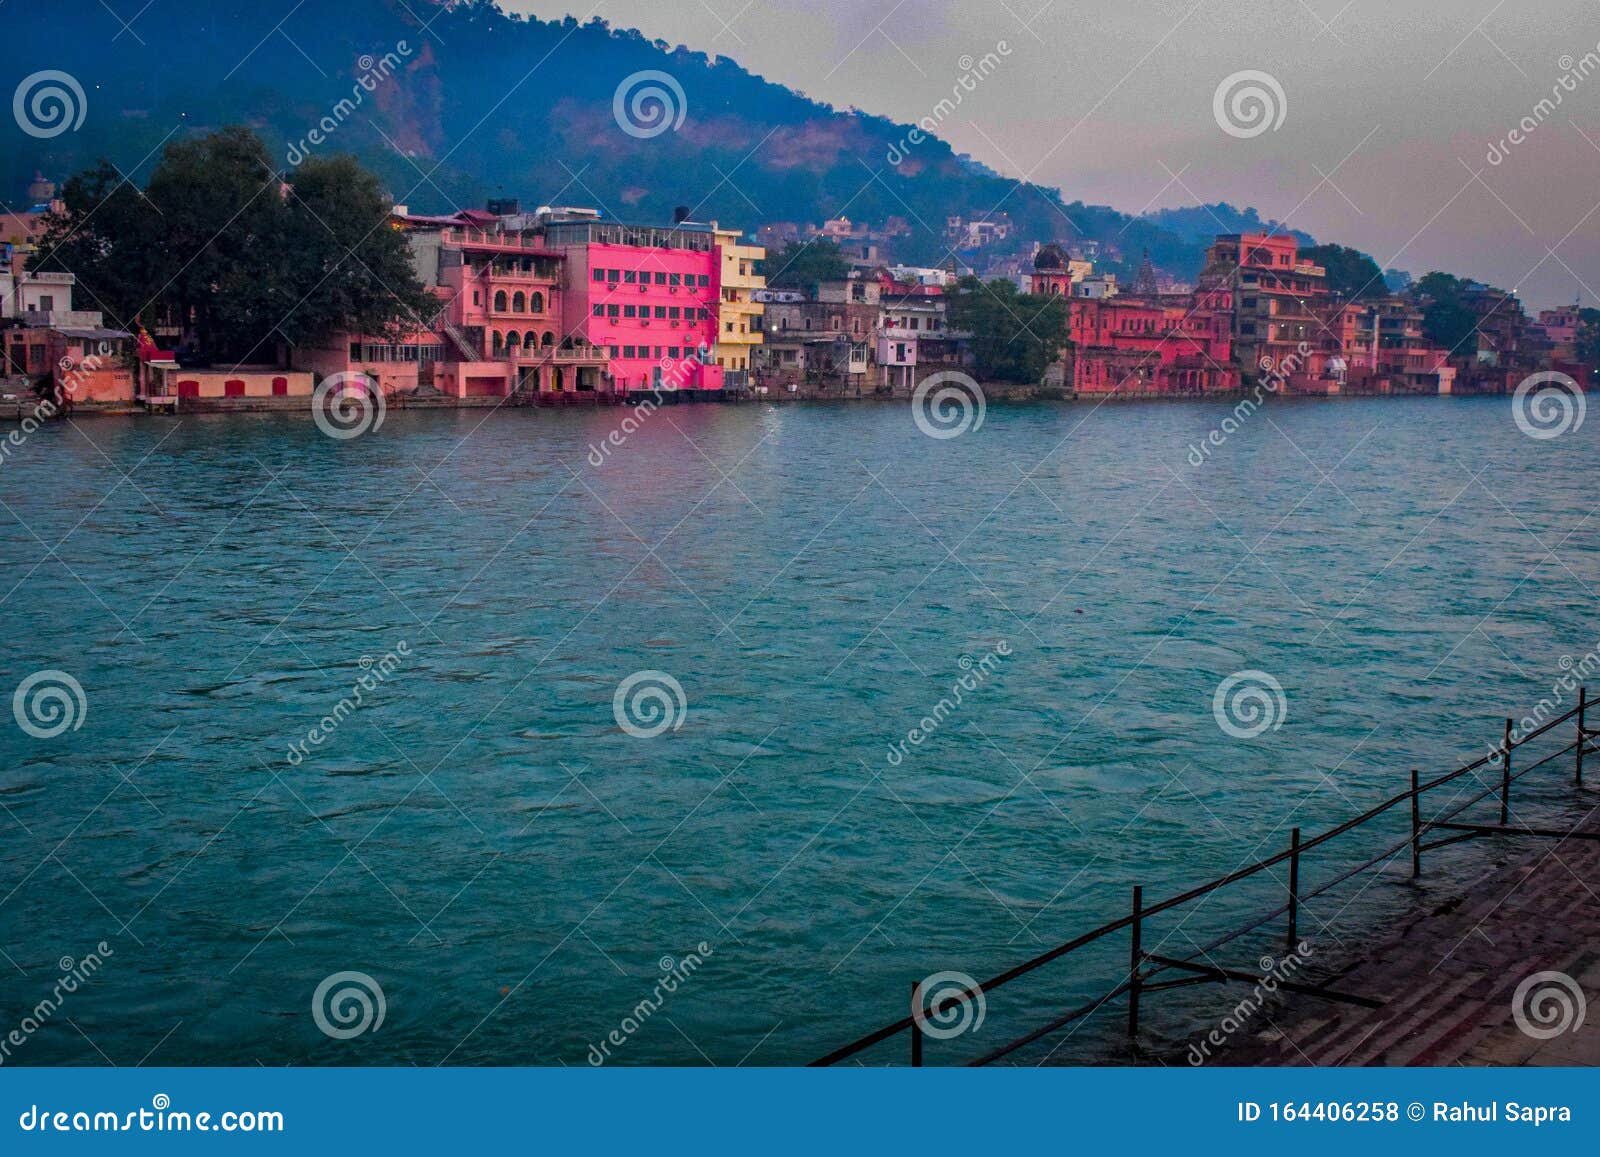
(1050, 256)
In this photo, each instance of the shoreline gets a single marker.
(1001, 394)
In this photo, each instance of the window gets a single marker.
(705, 281)
(661, 278)
(630, 311)
(675, 279)
(599, 274)
(675, 313)
(630, 277)
(616, 351)
(629, 351)
(355, 351)
(599, 311)
(46, 302)
(611, 274)
(661, 312)
(500, 302)
(613, 311)
(675, 352)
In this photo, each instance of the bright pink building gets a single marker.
(646, 295)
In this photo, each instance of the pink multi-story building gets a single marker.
(647, 296)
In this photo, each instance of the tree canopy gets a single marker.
(1015, 336)
(1446, 320)
(801, 265)
(243, 257)
(1351, 273)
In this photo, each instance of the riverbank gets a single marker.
(1450, 976)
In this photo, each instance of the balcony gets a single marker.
(61, 318)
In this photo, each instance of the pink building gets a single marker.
(646, 295)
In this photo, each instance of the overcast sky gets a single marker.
(1390, 108)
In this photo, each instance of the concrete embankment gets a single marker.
(1460, 979)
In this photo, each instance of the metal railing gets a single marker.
(1145, 965)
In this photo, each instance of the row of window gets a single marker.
(643, 277)
(643, 351)
(662, 312)
(518, 302)
(379, 352)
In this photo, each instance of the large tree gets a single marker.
(243, 258)
(1015, 336)
(802, 264)
(1351, 273)
(1446, 320)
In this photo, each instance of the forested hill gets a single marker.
(484, 104)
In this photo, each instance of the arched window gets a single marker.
(500, 301)
(531, 340)
(536, 303)
(499, 344)
(549, 339)
(512, 342)
(519, 303)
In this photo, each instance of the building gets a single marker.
(739, 311)
(44, 337)
(912, 337)
(827, 342)
(1170, 345)
(1276, 298)
(649, 296)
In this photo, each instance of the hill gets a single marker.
(455, 103)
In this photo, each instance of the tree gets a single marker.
(1015, 336)
(109, 238)
(1589, 336)
(802, 264)
(346, 269)
(1351, 273)
(241, 258)
(1447, 322)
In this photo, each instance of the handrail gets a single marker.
(1144, 912)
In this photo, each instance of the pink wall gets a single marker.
(649, 338)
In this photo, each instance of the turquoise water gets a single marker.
(481, 837)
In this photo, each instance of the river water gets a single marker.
(349, 706)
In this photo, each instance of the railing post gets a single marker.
(1294, 888)
(1135, 960)
(916, 1024)
(1583, 738)
(1505, 778)
(1416, 825)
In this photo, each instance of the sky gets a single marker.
(1395, 114)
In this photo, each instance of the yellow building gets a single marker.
(739, 314)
